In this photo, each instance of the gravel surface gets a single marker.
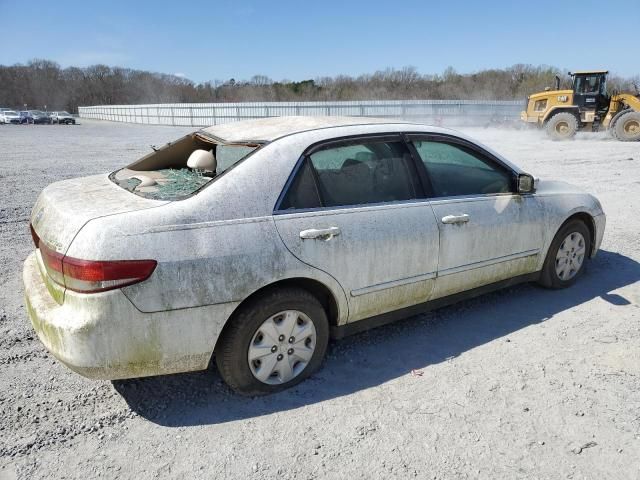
(522, 383)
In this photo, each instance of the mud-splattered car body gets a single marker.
(214, 248)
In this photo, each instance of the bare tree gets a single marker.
(42, 82)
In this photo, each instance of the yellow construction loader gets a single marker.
(587, 106)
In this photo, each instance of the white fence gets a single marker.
(449, 112)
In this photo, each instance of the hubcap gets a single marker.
(570, 256)
(632, 127)
(562, 127)
(282, 347)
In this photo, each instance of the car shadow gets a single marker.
(375, 357)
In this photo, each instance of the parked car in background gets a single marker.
(254, 241)
(34, 116)
(25, 117)
(62, 118)
(9, 116)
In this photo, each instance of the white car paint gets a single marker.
(216, 248)
(8, 116)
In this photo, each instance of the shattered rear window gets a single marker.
(229, 155)
(169, 184)
(164, 174)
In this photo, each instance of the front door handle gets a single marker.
(325, 234)
(464, 218)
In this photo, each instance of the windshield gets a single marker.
(64, 113)
(10, 112)
(36, 112)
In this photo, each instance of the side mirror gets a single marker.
(526, 183)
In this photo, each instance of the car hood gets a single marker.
(556, 187)
(575, 196)
(63, 208)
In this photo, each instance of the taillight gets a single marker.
(92, 276)
(34, 236)
(97, 276)
(52, 262)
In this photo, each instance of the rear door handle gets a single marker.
(464, 218)
(325, 234)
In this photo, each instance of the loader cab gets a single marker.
(590, 90)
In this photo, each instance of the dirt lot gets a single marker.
(523, 383)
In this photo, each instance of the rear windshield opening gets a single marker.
(180, 168)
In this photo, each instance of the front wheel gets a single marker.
(567, 256)
(627, 127)
(274, 342)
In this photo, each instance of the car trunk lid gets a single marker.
(63, 208)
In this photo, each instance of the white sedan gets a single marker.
(9, 116)
(254, 242)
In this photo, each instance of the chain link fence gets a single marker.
(436, 112)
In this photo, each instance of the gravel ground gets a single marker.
(522, 383)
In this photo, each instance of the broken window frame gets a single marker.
(195, 137)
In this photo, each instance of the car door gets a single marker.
(488, 233)
(355, 209)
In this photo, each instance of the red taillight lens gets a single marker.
(52, 262)
(34, 236)
(91, 276)
(97, 276)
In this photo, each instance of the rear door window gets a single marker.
(364, 173)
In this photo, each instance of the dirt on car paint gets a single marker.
(523, 383)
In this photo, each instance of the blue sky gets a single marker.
(308, 39)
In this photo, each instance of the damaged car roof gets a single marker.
(268, 129)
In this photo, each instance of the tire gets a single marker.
(562, 126)
(627, 127)
(252, 331)
(560, 268)
(612, 124)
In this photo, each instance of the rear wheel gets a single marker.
(274, 342)
(562, 126)
(627, 127)
(567, 256)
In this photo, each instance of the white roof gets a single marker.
(268, 129)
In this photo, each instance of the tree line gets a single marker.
(41, 83)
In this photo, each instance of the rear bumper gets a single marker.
(104, 336)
